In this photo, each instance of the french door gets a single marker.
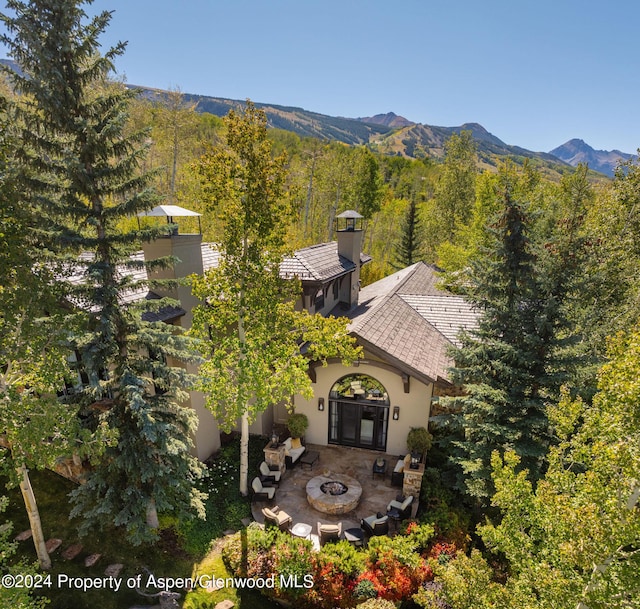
(358, 423)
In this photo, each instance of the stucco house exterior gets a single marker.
(404, 323)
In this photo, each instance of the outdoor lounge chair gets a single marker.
(329, 532)
(401, 509)
(293, 451)
(375, 525)
(262, 493)
(277, 518)
(268, 476)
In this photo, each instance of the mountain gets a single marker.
(577, 151)
(390, 119)
(387, 133)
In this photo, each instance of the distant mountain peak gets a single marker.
(390, 119)
(577, 151)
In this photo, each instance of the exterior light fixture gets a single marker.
(320, 404)
(396, 413)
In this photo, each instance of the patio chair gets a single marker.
(269, 476)
(277, 518)
(375, 525)
(262, 493)
(329, 532)
(401, 510)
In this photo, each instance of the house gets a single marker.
(404, 323)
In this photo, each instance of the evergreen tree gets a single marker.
(507, 365)
(407, 251)
(80, 176)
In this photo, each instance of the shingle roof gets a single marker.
(316, 263)
(407, 318)
(210, 256)
(136, 274)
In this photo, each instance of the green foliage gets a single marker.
(419, 439)
(297, 424)
(455, 191)
(251, 329)
(79, 172)
(409, 249)
(376, 603)
(343, 557)
(14, 596)
(444, 510)
(225, 508)
(511, 364)
(466, 582)
(573, 541)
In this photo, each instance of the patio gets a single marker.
(377, 492)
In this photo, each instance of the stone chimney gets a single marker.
(187, 248)
(349, 234)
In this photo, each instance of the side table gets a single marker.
(302, 529)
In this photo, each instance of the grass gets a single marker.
(183, 550)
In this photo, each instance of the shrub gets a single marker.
(297, 424)
(443, 509)
(421, 535)
(394, 568)
(377, 603)
(225, 507)
(419, 440)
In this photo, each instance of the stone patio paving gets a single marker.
(291, 495)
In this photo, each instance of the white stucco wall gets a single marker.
(414, 406)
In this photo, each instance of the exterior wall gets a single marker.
(188, 248)
(414, 406)
(350, 246)
(206, 439)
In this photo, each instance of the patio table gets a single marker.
(301, 529)
(379, 467)
(354, 536)
(309, 458)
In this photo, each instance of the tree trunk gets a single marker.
(244, 453)
(152, 515)
(244, 425)
(34, 518)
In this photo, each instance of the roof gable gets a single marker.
(408, 319)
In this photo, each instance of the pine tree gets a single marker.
(80, 176)
(508, 364)
(407, 251)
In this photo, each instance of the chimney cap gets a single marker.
(350, 213)
(168, 211)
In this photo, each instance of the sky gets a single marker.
(535, 73)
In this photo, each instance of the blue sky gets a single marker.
(535, 73)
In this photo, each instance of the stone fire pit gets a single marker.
(333, 493)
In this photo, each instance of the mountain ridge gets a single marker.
(390, 133)
(578, 151)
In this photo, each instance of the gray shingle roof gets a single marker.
(316, 263)
(406, 317)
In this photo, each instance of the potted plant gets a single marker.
(297, 424)
(418, 442)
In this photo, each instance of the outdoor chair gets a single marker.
(377, 524)
(269, 476)
(401, 510)
(329, 532)
(277, 518)
(262, 493)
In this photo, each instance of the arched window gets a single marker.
(359, 412)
